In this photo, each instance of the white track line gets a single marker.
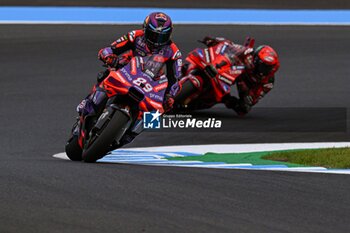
(242, 148)
(143, 156)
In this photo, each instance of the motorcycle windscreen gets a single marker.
(154, 66)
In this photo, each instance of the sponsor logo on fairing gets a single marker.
(207, 56)
(156, 97)
(223, 49)
(225, 80)
(218, 49)
(238, 67)
(126, 73)
(160, 87)
(150, 73)
(200, 53)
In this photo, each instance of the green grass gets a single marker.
(252, 157)
(330, 158)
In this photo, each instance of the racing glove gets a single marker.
(107, 56)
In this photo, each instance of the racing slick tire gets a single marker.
(186, 91)
(73, 150)
(101, 145)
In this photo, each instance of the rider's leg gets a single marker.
(87, 105)
(93, 103)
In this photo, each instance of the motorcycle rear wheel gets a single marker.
(102, 144)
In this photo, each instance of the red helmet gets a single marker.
(265, 60)
(158, 28)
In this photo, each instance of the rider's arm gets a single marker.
(173, 69)
(252, 96)
(126, 42)
(109, 55)
(260, 90)
(248, 97)
(174, 66)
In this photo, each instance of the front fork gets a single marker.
(191, 87)
(99, 100)
(106, 116)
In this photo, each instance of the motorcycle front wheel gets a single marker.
(100, 142)
(187, 90)
(72, 148)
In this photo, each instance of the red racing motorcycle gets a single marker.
(211, 76)
(136, 88)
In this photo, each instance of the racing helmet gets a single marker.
(265, 60)
(158, 28)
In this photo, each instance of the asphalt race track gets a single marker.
(47, 70)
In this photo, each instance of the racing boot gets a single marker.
(92, 106)
(93, 103)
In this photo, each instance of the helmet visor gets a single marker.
(157, 38)
(262, 69)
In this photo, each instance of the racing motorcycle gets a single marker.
(135, 88)
(210, 80)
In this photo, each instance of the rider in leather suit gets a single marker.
(260, 66)
(154, 38)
